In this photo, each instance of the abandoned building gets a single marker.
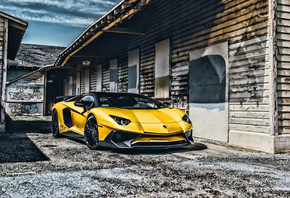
(11, 33)
(224, 62)
(26, 79)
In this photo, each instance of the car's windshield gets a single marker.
(128, 101)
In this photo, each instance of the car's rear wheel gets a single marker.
(54, 125)
(91, 133)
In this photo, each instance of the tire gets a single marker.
(91, 133)
(54, 125)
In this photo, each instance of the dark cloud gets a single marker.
(68, 9)
(56, 17)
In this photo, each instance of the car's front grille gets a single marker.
(159, 144)
(148, 135)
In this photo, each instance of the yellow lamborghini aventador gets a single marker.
(121, 120)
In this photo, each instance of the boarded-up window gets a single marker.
(208, 108)
(132, 75)
(207, 79)
(87, 81)
(70, 86)
(78, 83)
(65, 87)
(99, 78)
(162, 65)
(113, 75)
(133, 71)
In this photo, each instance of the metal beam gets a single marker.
(84, 56)
(124, 31)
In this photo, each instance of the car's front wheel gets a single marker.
(91, 133)
(54, 125)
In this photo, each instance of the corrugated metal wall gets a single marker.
(283, 36)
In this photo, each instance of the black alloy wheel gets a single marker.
(54, 125)
(91, 133)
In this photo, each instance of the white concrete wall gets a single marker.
(210, 120)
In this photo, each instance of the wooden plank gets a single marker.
(250, 115)
(251, 128)
(249, 49)
(285, 2)
(4, 73)
(249, 55)
(246, 121)
(248, 74)
(284, 93)
(284, 130)
(249, 67)
(240, 89)
(254, 41)
(283, 36)
(283, 22)
(283, 43)
(258, 59)
(249, 94)
(284, 109)
(283, 15)
(259, 80)
(249, 107)
(284, 116)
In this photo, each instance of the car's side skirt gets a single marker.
(73, 135)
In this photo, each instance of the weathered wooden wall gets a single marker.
(283, 57)
(192, 25)
(2, 72)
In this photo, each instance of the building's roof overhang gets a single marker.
(16, 30)
(42, 69)
(107, 23)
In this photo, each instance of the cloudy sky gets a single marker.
(56, 22)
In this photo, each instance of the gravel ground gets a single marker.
(34, 164)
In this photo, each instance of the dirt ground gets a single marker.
(34, 164)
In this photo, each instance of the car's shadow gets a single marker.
(148, 151)
(193, 147)
(15, 146)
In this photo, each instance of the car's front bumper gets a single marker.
(128, 140)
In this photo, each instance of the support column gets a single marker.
(273, 98)
(4, 75)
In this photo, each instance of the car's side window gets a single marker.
(105, 101)
(89, 102)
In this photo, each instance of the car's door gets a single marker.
(79, 114)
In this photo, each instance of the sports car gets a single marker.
(121, 120)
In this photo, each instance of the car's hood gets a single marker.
(149, 116)
(164, 120)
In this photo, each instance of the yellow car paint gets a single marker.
(155, 122)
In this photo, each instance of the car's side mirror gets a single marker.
(79, 103)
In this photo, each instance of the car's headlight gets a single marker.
(185, 118)
(121, 121)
